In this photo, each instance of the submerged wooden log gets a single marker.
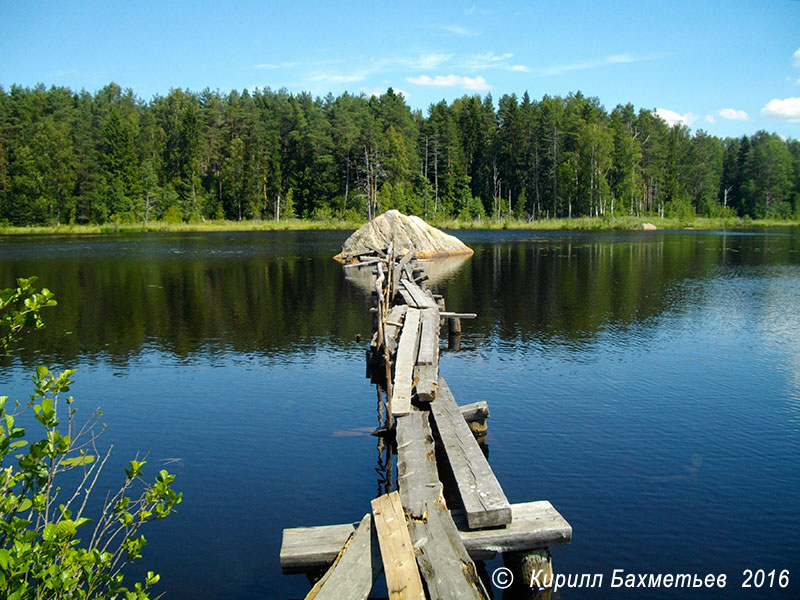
(355, 569)
(399, 563)
(483, 499)
(533, 525)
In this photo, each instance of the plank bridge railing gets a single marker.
(449, 510)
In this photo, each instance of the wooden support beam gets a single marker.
(444, 562)
(417, 476)
(399, 563)
(533, 525)
(355, 569)
(404, 364)
(456, 315)
(484, 501)
(477, 411)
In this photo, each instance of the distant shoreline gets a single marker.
(580, 223)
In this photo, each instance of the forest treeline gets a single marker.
(74, 157)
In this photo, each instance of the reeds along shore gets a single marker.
(581, 223)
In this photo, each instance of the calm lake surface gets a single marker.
(646, 383)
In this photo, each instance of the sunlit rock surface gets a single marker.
(407, 234)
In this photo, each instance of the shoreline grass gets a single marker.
(577, 223)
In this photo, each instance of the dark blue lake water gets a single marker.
(646, 383)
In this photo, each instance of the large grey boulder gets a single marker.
(406, 233)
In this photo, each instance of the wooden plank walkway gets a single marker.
(354, 570)
(417, 476)
(399, 561)
(533, 525)
(484, 501)
(404, 364)
(410, 534)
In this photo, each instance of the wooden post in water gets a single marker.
(529, 567)
(454, 333)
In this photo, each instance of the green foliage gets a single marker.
(77, 158)
(49, 547)
(20, 307)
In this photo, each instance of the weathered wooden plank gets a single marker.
(417, 477)
(477, 411)
(456, 315)
(399, 563)
(404, 364)
(533, 525)
(421, 299)
(355, 569)
(398, 270)
(444, 562)
(426, 378)
(392, 326)
(407, 297)
(484, 501)
(429, 337)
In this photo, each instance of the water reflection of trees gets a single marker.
(203, 305)
(565, 290)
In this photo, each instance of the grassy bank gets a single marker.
(581, 223)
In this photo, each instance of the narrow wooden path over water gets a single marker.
(449, 509)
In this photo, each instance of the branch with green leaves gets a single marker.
(44, 552)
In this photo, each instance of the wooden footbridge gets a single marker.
(449, 510)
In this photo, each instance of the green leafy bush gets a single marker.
(49, 546)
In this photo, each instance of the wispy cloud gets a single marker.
(614, 59)
(733, 115)
(272, 66)
(421, 61)
(488, 60)
(331, 78)
(787, 109)
(796, 58)
(458, 30)
(64, 73)
(674, 118)
(468, 83)
(710, 118)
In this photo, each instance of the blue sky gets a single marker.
(730, 67)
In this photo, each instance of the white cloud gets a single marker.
(490, 60)
(469, 83)
(710, 118)
(425, 61)
(614, 59)
(328, 78)
(272, 66)
(672, 118)
(796, 58)
(787, 109)
(733, 115)
(458, 30)
(620, 58)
